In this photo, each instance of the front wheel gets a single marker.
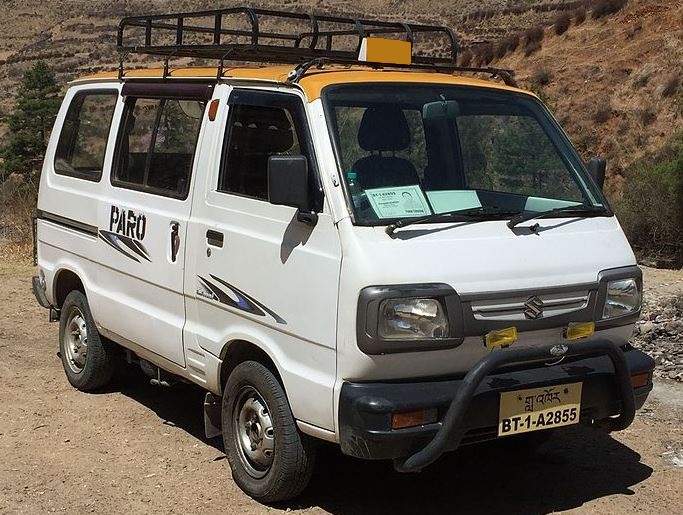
(270, 459)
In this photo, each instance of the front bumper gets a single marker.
(468, 406)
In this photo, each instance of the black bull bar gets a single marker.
(453, 424)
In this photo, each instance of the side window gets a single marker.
(83, 139)
(157, 145)
(259, 126)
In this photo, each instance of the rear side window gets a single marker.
(157, 145)
(83, 139)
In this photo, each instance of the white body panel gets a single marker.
(290, 269)
(305, 280)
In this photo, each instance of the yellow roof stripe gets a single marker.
(312, 83)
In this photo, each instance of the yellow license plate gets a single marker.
(535, 409)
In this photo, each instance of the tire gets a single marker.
(88, 359)
(270, 459)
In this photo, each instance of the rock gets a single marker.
(647, 327)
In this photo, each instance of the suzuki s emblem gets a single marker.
(558, 350)
(533, 308)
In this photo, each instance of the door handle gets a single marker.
(175, 240)
(214, 238)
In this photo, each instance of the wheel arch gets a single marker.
(238, 351)
(66, 281)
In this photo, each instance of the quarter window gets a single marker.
(157, 145)
(83, 139)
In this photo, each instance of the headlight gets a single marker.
(412, 319)
(623, 297)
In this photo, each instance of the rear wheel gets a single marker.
(270, 459)
(88, 359)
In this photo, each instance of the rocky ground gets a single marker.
(660, 329)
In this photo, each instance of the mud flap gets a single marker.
(212, 415)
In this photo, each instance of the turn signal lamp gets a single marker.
(640, 380)
(389, 51)
(403, 419)
(501, 338)
(578, 330)
(213, 109)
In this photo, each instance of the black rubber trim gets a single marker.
(369, 302)
(453, 423)
(68, 223)
(173, 90)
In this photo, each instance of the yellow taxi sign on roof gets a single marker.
(389, 51)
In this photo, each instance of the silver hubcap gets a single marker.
(76, 341)
(253, 430)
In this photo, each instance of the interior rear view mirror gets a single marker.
(442, 110)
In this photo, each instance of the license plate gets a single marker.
(535, 409)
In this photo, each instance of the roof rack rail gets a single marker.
(240, 31)
(238, 34)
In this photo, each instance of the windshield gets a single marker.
(409, 151)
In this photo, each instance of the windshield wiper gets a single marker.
(580, 210)
(478, 214)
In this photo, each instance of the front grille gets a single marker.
(513, 308)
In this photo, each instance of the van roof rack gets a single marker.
(265, 36)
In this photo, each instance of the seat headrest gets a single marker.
(263, 130)
(383, 128)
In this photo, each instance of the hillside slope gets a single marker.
(605, 76)
(607, 81)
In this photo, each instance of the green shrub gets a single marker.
(466, 57)
(607, 7)
(651, 207)
(541, 76)
(562, 23)
(671, 85)
(580, 15)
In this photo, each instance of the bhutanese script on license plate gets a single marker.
(535, 409)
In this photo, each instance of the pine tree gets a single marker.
(30, 124)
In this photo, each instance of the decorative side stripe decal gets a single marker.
(236, 298)
(131, 248)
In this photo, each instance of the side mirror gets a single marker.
(288, 185)
(596, 168)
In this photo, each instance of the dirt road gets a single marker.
(137, 448)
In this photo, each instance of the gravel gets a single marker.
(659, 333)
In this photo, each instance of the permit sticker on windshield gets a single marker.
(398, 202)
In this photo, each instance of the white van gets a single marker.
(385, 256)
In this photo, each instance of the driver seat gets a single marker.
(384, 129)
